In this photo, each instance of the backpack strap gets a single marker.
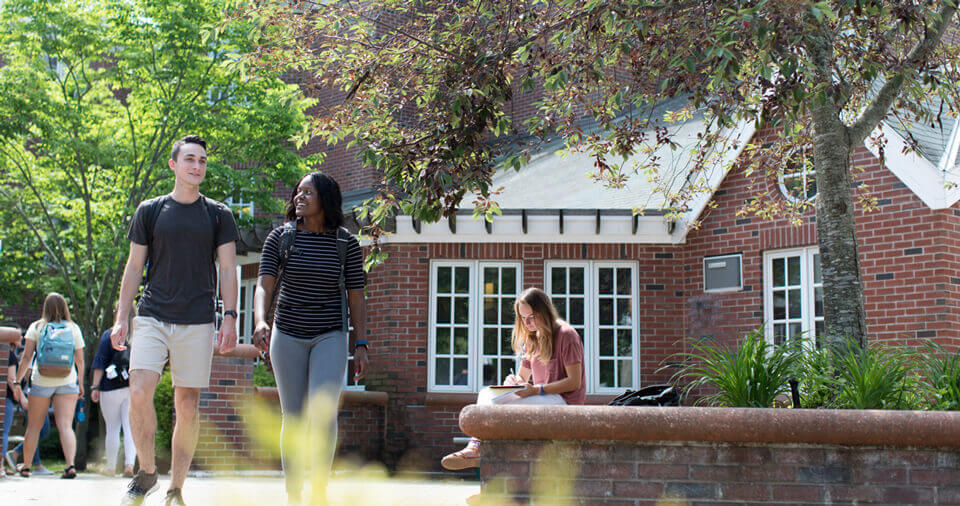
(213, 212)
(288, 239)
(343, 239)
(150, 224)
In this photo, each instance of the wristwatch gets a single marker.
(230, 312)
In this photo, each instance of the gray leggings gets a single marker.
(305, 368)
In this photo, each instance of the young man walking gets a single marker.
(176, 237)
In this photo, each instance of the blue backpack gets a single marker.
(55, 350)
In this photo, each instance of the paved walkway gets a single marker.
(92, 489)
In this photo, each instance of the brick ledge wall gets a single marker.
(639, 456)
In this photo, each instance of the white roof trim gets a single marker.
(577, 228)
(927, 181)
(715, 179)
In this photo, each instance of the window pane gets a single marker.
(793, 271)
(506, 312)
(505, 365)
(625, 373)
(461, 310)
(796, 331)
(489, 310)
(443, 371)
(443, 341)
(558, 280)
(443, 309)
(606, 342)
(491, 280)
(490, 341)
(576, 312)
(444, 275)
(506, 341)
(623, 281)
(606, 373)
(796, 303)
(779, 279)
(623, 312)
(576, 280)
(509, 275)
(490, 372)
(819, 330)
(561, 304)
(606, 311)
(460, 341)
(461, 373)
(779, 332)
(461, 280)
(818, 301)
(624, 342)
(816, 269)
(606, 281)
(779, 305)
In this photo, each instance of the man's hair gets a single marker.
(188, 139)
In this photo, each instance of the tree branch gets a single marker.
(877, 109)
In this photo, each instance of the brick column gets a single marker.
(224, 443)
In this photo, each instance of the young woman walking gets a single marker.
(62, 391)
(308, 342)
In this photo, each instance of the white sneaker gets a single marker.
(42, 471)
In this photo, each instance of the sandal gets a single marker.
(24, 471)
(69, 473)
(463, 459)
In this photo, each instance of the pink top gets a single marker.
(567, 350)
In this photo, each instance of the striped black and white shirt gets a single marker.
(309, 300)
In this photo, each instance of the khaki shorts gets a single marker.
(189, 348)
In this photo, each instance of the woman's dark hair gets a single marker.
(328, 191)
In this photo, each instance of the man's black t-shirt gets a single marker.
(181, 277)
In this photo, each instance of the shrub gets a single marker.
(752, 374)
(941, 372)
(163, 404)
(263, 376)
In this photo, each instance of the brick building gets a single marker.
(634, 286)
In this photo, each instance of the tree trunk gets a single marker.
(844, 315)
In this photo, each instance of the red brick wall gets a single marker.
(908, 256)
(625, 473)
(224, 441)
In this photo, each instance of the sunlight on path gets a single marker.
(91, 490)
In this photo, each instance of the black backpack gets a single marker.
(653, 395)
(288, 237)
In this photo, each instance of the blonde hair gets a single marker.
(535, 345)
(55, 309)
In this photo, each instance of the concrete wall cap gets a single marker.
(746, 425)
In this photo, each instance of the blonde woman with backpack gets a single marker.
(58, 345)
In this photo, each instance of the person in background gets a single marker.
(17, 401)
(111, 388)
(63, 392)
(551, 368)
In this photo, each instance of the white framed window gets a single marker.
(471, 321)
(792, 295)
(798, 181)
(245, 310)
(240, 205)
(599, 300)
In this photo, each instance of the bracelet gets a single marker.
(94, 387)
(541, 389)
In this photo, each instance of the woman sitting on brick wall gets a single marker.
(551, 368)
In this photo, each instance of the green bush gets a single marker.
(263, 376)
(752, 374)
(163, 404)
(941, 372)
(850, 376)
